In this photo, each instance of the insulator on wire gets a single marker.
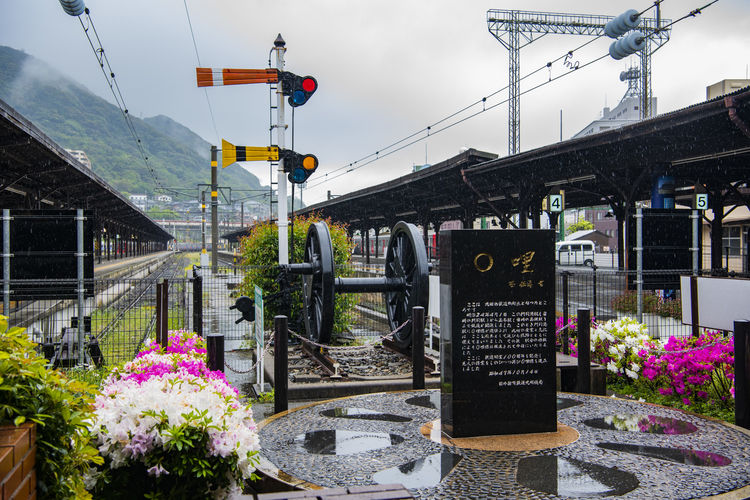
(625, 46)
(622, 23)
(73, 7)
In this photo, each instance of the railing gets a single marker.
(119, 316)
(123, 312)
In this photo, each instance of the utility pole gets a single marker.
(279, 47)
(204, 255)
(214, 214)
(515, 29)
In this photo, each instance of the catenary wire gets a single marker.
(198, 58)
(114, 87)
(390, 149)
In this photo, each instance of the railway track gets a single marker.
(26, 312)
(122, 325)
(310, 363)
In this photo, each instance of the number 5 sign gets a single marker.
(701, 201)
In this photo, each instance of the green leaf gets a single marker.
(19, 420)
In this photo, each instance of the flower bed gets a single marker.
(168, 427)
(695, 372)
(694, 368)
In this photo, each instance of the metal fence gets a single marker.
(611, 294)
(119, 316)
(122, 312)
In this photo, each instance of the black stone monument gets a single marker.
(497, 345)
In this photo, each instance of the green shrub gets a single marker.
(61, 408)
(260, 252)
(652, 304)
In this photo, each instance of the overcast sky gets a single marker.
(386, 69)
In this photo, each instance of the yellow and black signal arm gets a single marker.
(231, 153)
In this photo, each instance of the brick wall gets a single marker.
(17, 459)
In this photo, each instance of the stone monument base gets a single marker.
(506, 442)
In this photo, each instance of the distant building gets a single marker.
(164, 198)
(725, 87)
(139, 200)
(601, 240)
(626, 112)
(80, 156)
(736, 224)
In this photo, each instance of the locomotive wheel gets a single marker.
(320, 303)
(406, 260)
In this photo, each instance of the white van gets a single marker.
(575, 253)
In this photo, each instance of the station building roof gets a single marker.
(705, 144)
(37, 173)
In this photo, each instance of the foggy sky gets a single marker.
(386, 69)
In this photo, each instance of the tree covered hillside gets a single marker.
(75, 118)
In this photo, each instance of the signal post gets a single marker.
(279, 46)
(299, 167)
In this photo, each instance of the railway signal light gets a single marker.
(298, 88)
(300, 167)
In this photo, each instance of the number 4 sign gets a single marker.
(555, 203)
(701, 201)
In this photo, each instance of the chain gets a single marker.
(564, 327)
(371, 345)
(252, 367)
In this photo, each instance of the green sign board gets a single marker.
(259, 334)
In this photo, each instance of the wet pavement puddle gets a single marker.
(679, 455)
(650, 424)
(342, 442)
(363, 414)
(563, 403)
(573, 478)
(431, 401)
(421, 473)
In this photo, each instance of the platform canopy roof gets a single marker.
(705, 145)
(37, 173)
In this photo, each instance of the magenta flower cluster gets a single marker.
(185, 355)
(180, 342)
(693, 368)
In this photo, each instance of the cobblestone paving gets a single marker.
(487, 474)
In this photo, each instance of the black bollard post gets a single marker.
(197, 302)
(742, 374)
(162, 312)
(566, 332)
(583, 374)
(593, 309)
(417, 347)
(280, 364)
(215, 348)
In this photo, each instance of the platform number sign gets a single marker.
(701, 201)
(555, 203)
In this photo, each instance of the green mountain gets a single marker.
(76, 118)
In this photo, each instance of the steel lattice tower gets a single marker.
(511, 27)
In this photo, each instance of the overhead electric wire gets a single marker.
(114, 87)
(198, 58)
(428, 129)
(429, 132)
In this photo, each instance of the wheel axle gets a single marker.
(405, 285)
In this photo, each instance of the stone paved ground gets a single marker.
(583, 468)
